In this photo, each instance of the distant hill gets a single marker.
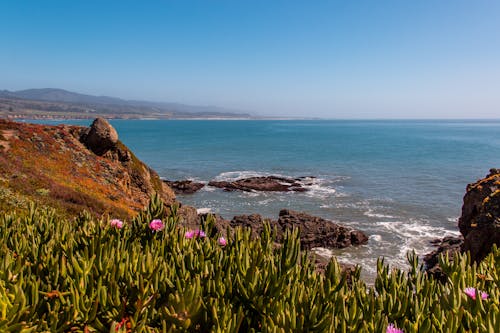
(60, 103)
(61, 95)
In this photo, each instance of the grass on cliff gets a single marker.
(93, 275)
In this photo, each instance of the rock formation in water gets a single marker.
(314, 231)
(267, 183)
(184, 186)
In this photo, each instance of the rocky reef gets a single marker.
(265, 184)
(73, 168)
(314, 231)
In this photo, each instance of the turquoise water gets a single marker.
(401, 182)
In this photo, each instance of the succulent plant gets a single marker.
(86, 275)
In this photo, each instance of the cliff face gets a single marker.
(73, 168)
(480, 220)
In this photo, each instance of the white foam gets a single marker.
(370, 213)
(376, 238)
(236, 175)
(204, 210)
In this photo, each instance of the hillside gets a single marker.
(73, 168)
(59, 103)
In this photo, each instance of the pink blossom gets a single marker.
(471, 292)
(222, 241)
(393, 329)
(115, 223)
(200, 234)
(156, 225)
(195, 234)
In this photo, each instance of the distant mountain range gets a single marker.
(59, 103)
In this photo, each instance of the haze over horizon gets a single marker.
(329, 59)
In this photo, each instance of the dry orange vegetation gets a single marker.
(49, 165)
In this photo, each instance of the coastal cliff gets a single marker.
(479, 224)
(480, 220)
(73, 168)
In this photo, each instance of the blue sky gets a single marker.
(334, 59)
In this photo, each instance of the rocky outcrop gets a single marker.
(479, 224)
(447, 246)
(267, 184)
(100, 137)
(184, 186)
(314, 231)
(318, 232)
(72, 168)
(480, 220)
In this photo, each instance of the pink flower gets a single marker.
(115, 223)
(200, 234)
(156, 225)
(471, 292)
(195, 234)
(393, 329)
(222, 241)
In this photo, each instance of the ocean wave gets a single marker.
(370, 213)
(231, 176)
(204, 210)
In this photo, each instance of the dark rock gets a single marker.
(314, 231)
(447, 245)
(184, 186)
(318, 232)
(480, 220)
(220, 225)
(268, 183)
(189, 217)
(101, 136)
(253, 221)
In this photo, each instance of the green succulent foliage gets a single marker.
(86, 276)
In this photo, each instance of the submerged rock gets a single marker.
(267, 183)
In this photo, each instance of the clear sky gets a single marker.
(335, 59)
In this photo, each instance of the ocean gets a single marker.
(399, 181)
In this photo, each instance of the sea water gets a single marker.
(401, 182)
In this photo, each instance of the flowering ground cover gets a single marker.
(149, 275)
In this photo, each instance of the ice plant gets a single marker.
(189, 234)
(156, 225)
(115, 223)
(222, 241)
(471, 292)
(393, 329)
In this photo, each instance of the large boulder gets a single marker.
(100, 137)
(480, 220)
